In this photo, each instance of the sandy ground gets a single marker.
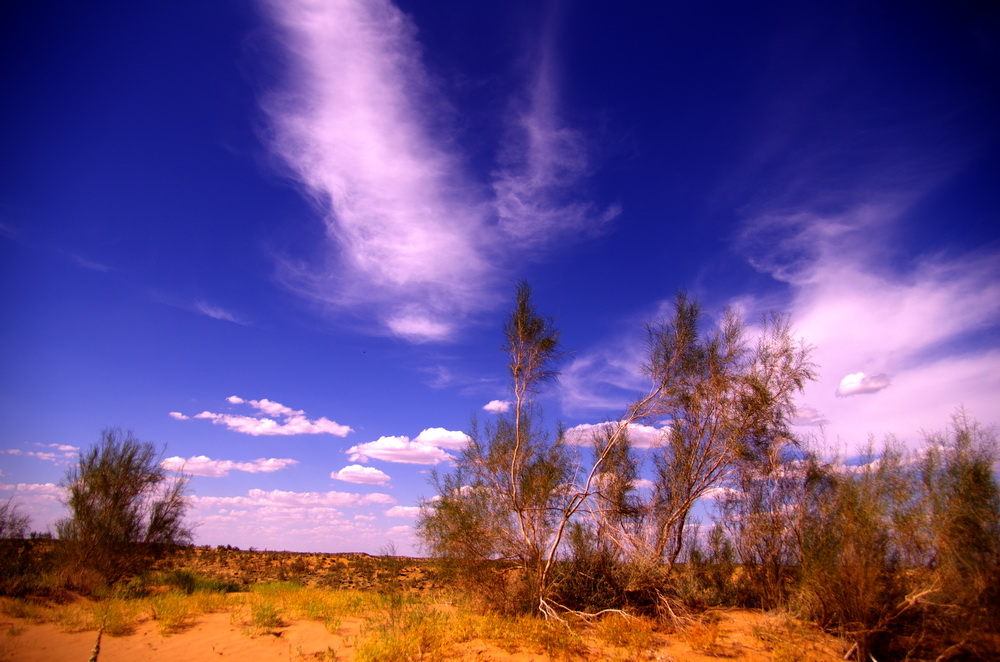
(215, 637)
(211, 637)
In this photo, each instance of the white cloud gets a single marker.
(41, 502)
(56, 458)
(403, 511)
(859, 383)
(867, 318)
(274, 408)
(257, 498)
(398, 449)
(291, 421)
(452, 440)
(541, 160)
(65, 448)
(179, 416)
(606, 378)
(37, 489)
(355, 473)
(497, 406)
(808, 416)
(641, 436)
(413, 239)
(401, 530)
(235, 400)
(200, 465)
(721, 492)
(301, 521)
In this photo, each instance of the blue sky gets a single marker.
(281, 237)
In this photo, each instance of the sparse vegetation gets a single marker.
(895, 555)
(899, 553)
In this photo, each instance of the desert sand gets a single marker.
(216, 637)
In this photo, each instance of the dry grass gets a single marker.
(790, 640)
(399, 622)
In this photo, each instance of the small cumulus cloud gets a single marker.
(497, 406)
(398, 449)
(355, 473)
(179, 416)
(859, 383)
(450, 439)
(201, 465)
(61, 457)
(65, 448)
(284, 420)
(403, 511)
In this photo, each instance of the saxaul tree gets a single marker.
(516, 494)
(503, 499)
(727, 400)
(124, 510)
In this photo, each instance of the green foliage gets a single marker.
(124, 512)
(963, 501)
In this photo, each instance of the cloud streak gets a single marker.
(257, 498)
(414, 239)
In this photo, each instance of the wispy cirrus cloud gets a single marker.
(541, 164)
(833, 231)
(604, 379)
(201, 465)
(415, 240)
(217, 312)
(275, 419)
